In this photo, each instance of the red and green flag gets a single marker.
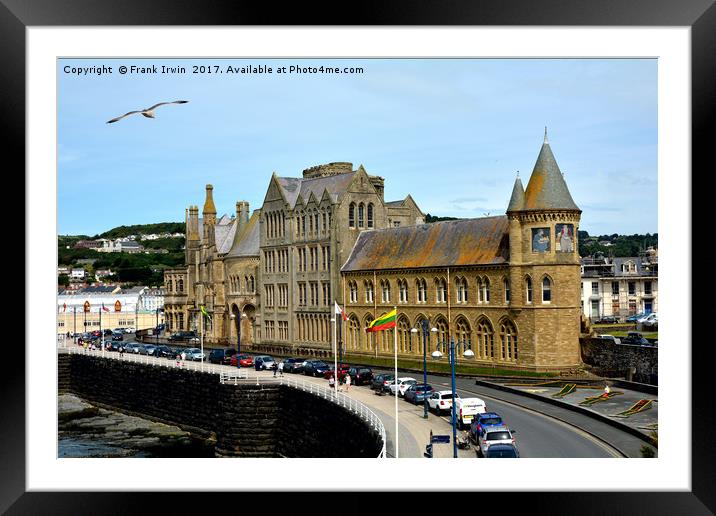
(384, 322)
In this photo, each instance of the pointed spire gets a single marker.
(546, 188)
(545, 135)
(517, 200)
(209, 208)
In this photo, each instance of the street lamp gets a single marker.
(437, 355)
(424, 324)
(238, 343)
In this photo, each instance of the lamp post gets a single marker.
(467, 354)
(238, 342)
(424, 324)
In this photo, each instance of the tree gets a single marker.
(63, 280)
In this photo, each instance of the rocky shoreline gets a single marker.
(89, 431)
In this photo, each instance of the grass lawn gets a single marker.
(646, 334)
(442, 366)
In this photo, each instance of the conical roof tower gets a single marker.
(546, 189)
(517, 201)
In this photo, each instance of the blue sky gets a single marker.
(452, 133)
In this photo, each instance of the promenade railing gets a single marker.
(239, 377)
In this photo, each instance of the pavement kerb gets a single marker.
(581, 410)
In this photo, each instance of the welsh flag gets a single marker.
(203, 311)
(384, 322)
(104, 308)
(338, 310)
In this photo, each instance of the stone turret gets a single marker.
(209, 213)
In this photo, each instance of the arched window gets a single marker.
(361, 215)
(440, 291)
(421, 290)
(461, 284)
(546, 290)
(169, 285)
(528, 284)
(485, 339)
(506, 284)
(385, 287)
(442, 335)
(368, 291)
(508, 338)
(403, 334)
(252, 286)
(370, 215)
(479, 290)
(486, 290)
(403, 287)
(353, 332)
(463, 337)
(353, 287)
(352, 215)
(180, 285)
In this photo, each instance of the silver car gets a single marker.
(132, 347)
(195, 354)
(494, 435)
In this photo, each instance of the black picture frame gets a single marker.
(699, 15)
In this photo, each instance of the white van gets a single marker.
(466, 409)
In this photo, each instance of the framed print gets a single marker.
(414, 107)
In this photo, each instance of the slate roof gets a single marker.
(246, 243)
(109, 289)
(517, 200)
(546, 188)
(336, 185)
(482, 241)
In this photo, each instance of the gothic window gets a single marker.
(368, 291)
(361, 218)
(486, 290)
(528, 285)
(485, 339)
(352, 215)
(421, 290)
(180, 285)
(463, 337)
(508, 337)
(370, 215)
(442, 336)
(403, 334)
(385, 285)
(506, 284)
(353, 287)
(440, 291)
(546, 290)
(403, 287)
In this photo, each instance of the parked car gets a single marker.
(182, 336)
(484, 420)
(263, 362)
(322, 369)
(221, 356)
(466, 409)
(130, 330)
(502, 451)
(342, 371)
(112, 346)
(107, 332)
(492, 435)
(381, 382)
(401, 385)
(293, 365)
(608, 319)
(242, 360)
(439, 401)
(361, 375)
(634, 318)
(117, 336)
(610, 338)
(310, 366)
(418, 393)
(195, 354)
(164, 352)
(651, 321)
(132, 347)
(147, 349)
(635, 337)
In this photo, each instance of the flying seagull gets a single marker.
(149, 112)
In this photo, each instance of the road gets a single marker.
(538, 434)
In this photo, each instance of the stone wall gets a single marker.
(616, 360)
(267, 420)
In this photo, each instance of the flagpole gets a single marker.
(202, 340)
(335, 352)
(395, 348)
(101, 333)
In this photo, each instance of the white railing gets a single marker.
(238, 377)
(329, 394)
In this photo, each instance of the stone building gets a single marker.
(506, 287)
(620, 287)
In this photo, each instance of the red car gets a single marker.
(244, 360)
(342, 370)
